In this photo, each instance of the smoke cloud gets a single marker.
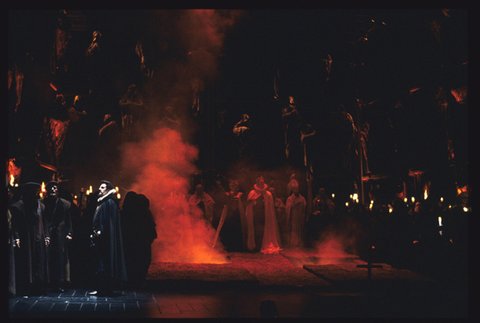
(161, 163)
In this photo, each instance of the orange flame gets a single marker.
(12, 180)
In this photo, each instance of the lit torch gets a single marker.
(42, 190)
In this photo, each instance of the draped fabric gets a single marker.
(110, 242)
(295, 210)
(59, 225)
(270, 235)
(29, 226)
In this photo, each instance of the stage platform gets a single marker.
(281, 271)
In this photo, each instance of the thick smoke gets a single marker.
(161, 163)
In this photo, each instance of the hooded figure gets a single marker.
(107, 236)
(31, 238)
(59, 224)
(261, 219)
(295, 211)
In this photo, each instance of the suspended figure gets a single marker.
(292, 126)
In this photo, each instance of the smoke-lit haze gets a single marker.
(162, 161)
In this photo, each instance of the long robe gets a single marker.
(109, 244)
(59, 225)
(270, 232)
(295, 211)
(231, 231)
(29, 227)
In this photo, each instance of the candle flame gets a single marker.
(346, 203)
(425, 194)
(43, 186)
(465, 209)
(12, 180)
(440, 221)
(116, 188)
(405, 200)
(333, 195)
(118, 196)
(355, 196)
(413, 199)
(441, 199)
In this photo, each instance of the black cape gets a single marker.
(59, 225)
(29, 226)
(109, 245)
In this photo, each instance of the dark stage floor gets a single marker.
(318, 288)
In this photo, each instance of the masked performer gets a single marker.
(107, 237)
(31, 241)
(59, 224)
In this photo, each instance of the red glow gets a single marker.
(53, 87)
(163, 163)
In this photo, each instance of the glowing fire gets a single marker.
(42, 191)
(12, 180)
(425, 194)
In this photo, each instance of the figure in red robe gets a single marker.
(262, 223)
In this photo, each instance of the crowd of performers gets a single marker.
(54, 243)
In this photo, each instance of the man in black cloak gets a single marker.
(31, 240)
(108, 243)
(59, 225)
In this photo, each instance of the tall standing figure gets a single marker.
(31, 240)
(262, 223)
(59, 224)
(108, 243)
(295, 211)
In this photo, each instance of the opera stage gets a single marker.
(285, 270)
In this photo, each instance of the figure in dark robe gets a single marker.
(262, 223)
(108, 242)
(292, 125)
(308, 144)
(12, 290)
(147, 234)
(230, 226)
(31, 240)
(243, 132)
(320, 218)
(59, 225)
(130, 234)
